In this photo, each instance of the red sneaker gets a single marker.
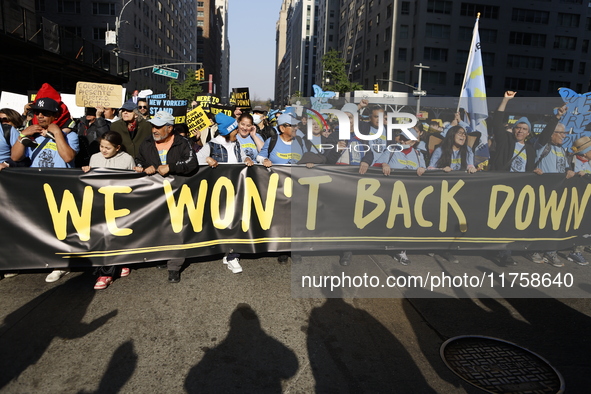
(125, 271)
(103, 282)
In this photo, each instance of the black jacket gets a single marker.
(505, 144)
(180, 158)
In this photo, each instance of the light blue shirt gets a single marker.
(456, 160)
(49, 156)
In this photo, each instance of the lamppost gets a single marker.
(421, 92)
(118, 26)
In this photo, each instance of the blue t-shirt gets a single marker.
(456, 159)
(5, 146)
(49, 156)
(403, 161)
(248, 147)
(554, 161)
(518, 164)
(283, 152)
(581, 165)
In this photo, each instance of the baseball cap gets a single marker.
(46, 104)
(287, 118)
(162, 118)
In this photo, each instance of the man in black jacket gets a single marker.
(167, 153)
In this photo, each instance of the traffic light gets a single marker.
(200, 74)
(197, 75)
(376, 88)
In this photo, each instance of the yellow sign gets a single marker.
(197, 120)
(90, 94)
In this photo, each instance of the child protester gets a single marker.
(111, 155)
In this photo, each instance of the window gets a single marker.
(488, 59)
(200, 14)
(439, 6)
(435, 54)
(488, 35)
(74, 30)
(98, 33)
(553, 86)
(465, 33)
(103, 8)
(568, 20)
(200, 4)
(434, 77)
(199, 23)
(582, 66)
(389, 11)
(462, 57)
(405, 8)
(40, 5)
(386, 56)
(401, 76)
(564, 42)
(437, 30)
(67, 6)
(562, 65)
(402, 32)
(528, 62)
(487, 11)
(529, 39)
(530, 16)
(525, 84)
(388, 32)
(402, 54)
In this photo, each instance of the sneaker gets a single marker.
(282, 259)
(124, 272)
(103, 282)
(401, 257)
(174, 276)
(450, 257)
(553, 259)
(536, 257)
(11, 275)
(56, 275)
(577, 257)
(233, 265)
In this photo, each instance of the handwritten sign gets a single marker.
(90, 94)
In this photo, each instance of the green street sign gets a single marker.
(165, 73)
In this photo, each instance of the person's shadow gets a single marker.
(247, 361)
(352, 352)
(27, 332)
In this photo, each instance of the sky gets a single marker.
(251, 30)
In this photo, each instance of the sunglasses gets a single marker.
(142, 106)
(4, 120)
(286, 125)
(44, 113)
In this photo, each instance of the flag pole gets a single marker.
(469, 62)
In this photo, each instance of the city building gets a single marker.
(531, 47)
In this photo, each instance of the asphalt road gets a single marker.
(258, 332)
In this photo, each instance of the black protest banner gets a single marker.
(206, 100)
(177, 108)
(240, 97)
(220, 108)
(63, 217)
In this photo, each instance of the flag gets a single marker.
(473, 97)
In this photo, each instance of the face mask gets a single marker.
(257, 118)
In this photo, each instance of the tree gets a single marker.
(334, 69)
(186, 90)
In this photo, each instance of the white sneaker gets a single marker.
(233, 265)
(11, 275)
(56, 275)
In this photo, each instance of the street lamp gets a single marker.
(115, 40)
(421, 93)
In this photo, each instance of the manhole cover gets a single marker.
(498, 366)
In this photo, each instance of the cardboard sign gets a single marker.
(90, 94)
(217, 108)
(205, 100)
(197, 120)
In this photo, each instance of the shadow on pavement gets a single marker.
(57, 313)
(248, 360)
(352, 352)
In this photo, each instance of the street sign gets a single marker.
(165, 73)
(419, 93)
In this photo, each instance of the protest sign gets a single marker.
(197, 120)
(240, 97)
(90, 94)
(217, 108)
(177, 108)
(206, 100)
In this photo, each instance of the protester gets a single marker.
(111, 155)
(514, 153)
(166, 153)
(47, 146)
(248, 139)
(143, 108)
(133, 128)
(224, 147)
(110, 114)
(90, 129)
(259, 117)
(551, 157)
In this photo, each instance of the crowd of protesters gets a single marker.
(128, 138)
